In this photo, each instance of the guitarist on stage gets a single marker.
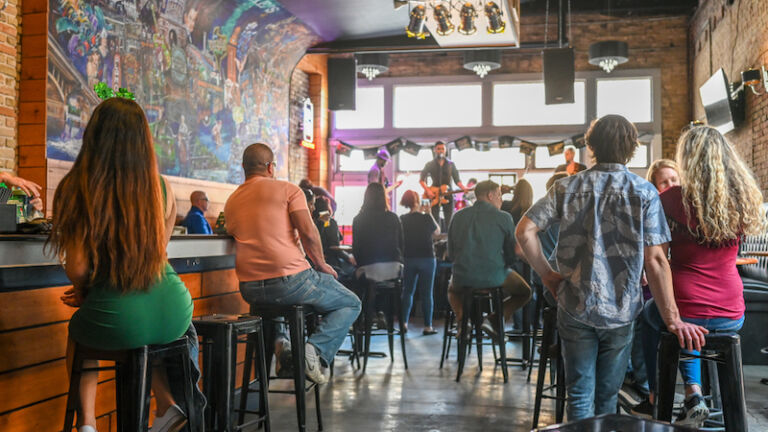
(442, 171)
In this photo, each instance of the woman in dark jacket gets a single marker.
(377, 242)
(377, 237)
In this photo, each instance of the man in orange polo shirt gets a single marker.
(274, 231)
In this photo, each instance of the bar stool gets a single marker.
(298, 317)
(133, 375)
(449, 333)
(550, 352)
(394, 288)
(473, 299)
(220, 334)
(721, 348)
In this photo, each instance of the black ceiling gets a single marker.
(345, 23)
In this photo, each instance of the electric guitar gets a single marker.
(441, 193)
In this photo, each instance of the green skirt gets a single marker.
(110, 320)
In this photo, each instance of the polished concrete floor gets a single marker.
(426, 398)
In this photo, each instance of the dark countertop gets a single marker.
(25, 264)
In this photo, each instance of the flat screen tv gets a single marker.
(724, 112)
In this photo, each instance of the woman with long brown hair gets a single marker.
(717, 202)
(112, 218)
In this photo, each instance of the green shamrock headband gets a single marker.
(104, 92)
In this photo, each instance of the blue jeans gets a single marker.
(637, 356)
(595, 363)
(338, 305)
(419, 272)
(690, 369)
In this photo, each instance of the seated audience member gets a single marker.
(135, 298)
(663, 174)
(469, 197)
(318, 191)
(548, 240)
(481, 244)
(30, 188)
(570, 166)
(273, 229)
(717, 201)
(331, 238)
(522, 200)
(611, 224)
(419, 227)
(377, 241)
(195, 220)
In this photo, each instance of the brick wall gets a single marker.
(297, 155)
(9, 78)
(659, 43)
(733, 37)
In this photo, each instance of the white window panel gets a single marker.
(640, 158)
(349, 199)
(368, 113)
(355, 162)
(438, 106)
(409, 162)
(522, 104)
(495, 158)
(628, 97)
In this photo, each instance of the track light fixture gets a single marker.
(415, 27)
(443, 20)
(468, 15)
(754, 77)
(495, 23)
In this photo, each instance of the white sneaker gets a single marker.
(312, 367)
(172, 421)
(86, 428)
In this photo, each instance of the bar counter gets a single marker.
(25, 262)
(33, 324)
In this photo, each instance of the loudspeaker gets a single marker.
(342, 83)
(559, 75)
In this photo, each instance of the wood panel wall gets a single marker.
(316, 66)
(34, 72)
(33, 339)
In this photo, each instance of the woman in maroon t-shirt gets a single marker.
(717, 202)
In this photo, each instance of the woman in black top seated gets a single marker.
(419, 227)
(377, 237)
(330, 236)
(377, 241)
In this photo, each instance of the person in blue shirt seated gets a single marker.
(195, 220)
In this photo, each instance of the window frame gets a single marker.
(539, 133)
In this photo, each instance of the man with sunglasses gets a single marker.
(195, 220)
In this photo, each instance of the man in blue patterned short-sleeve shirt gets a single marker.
(611, 226)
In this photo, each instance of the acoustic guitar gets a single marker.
(441, 194)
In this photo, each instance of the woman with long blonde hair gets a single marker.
(717, 202)
(112, 218)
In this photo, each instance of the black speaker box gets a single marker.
(342, 83)
(559, 75)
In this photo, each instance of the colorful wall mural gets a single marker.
(212, 76)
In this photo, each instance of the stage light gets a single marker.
(468, 15)
(415, 27)
(496, 23)
(443, 20)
